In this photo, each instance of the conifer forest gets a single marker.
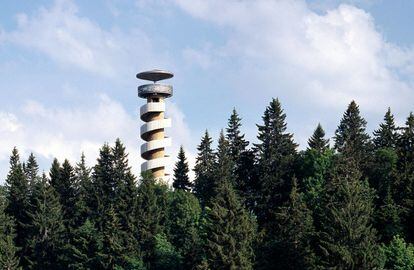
(345, 202)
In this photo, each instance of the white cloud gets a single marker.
(325, 60)
(70, 39)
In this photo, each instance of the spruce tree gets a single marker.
(113, 253)
(388, 218)
(126, 198)
(405, 180)
(65, 187)
(229, 232)
(224, 165)
(83, 187)
(149, 217)
(181, 179)
(314, 171)
(8, 251)
(347, 239)
(86, 247)
(386, 135)
(276, 156)
(243, 159)
(54, 174)
(204, 169)
(351, 139)
(46, 229)
(32, 170)
(17, 188)
(237, 143)
(289, 244)
(318, 141)
(103, 191)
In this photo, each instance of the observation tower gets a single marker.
(153, 130)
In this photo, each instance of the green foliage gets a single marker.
(347, 239)
(289, 243)
(31, 170)
(229, 233)
(166, 256)
(277, 154)
(8, 250)
(101, 218)
(181, 170)
(237, 143)
(125, 204)
(405, 181)
(17, 194)
(398, 254)
(351, 139)
(318, 142)
(150, 215)
(182, 225)
(85, 245)
(386, 135)
(203, 169)
(46, 228)
(315, 169)
(388, 218)
(83, 188)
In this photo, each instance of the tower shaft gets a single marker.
(153, 129)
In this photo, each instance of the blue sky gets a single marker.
(67, 68)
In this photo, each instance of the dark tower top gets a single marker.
(155, 75)
(155, 89)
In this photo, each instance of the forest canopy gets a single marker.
(345, 202)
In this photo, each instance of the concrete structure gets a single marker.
(152, 113)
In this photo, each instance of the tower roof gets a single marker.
(155, 75)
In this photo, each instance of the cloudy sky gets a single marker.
(67, 68)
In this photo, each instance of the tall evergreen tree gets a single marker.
(83, 187)
(347, 239)
(229, 232)
(204, 169)
(388, 217)
(224, 165)
(243, 159)
(181, 179)
(65, 187)
(126, 198)
(17, 188)
(103, 191)
(149, 217)
(32, 170)
(85, 248)
(46, 229)
(54, 174)
(8, 250)
(386, 135)
(276, 156)
(405, 179)
(237, 142)
(113, 253)
(290, 243)
(318, 141)
(351, 139)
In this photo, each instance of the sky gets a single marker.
(67, 69)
